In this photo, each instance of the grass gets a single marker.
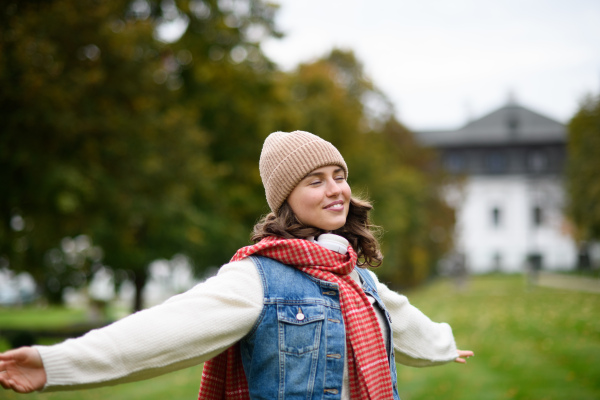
(40, 317)
(538, 343)
(180, 385)
(530, 343)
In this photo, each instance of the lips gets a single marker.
(335, 206)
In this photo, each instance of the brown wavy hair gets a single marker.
(358, 230)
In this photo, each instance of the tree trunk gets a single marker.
(141, 276)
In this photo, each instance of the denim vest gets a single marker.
(297, 348)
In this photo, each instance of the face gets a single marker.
(322, 198)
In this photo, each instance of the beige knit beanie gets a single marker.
(286, 158)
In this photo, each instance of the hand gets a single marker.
(463, 355)
(22, 370)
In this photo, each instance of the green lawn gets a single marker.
(180, 385)
(530, 344)
(40, 317)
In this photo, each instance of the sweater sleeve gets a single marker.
(185, 330)
(418, 341)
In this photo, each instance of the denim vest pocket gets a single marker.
(300, 327)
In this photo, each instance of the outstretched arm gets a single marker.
(22, 370)
(418, 341)
(186, 330)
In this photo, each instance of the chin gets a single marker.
(333, 226)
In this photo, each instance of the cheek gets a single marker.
(311, 200)
(302, 201)
(347, 191)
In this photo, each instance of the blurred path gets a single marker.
(561, 281)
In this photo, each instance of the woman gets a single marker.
(289, 317)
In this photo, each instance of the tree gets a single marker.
(86, 132)
(583, 170)
(232, 87)
(99, 136)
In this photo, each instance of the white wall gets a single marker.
(505, 247)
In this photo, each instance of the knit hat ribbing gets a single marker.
(286, 158)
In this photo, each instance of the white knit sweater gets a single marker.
(197, 325)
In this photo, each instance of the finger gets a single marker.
(7, 357)
(4, 381)
(20, 388)
(465, 353)
(10, 384)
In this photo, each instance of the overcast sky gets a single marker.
(442, 62)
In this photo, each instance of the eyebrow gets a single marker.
(322, 173)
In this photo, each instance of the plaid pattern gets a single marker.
(368, 366)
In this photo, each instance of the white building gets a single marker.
(510, 209)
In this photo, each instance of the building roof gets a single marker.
(511, 124)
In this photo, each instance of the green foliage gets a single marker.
(583, 169)
(99, 137)
(88, 138)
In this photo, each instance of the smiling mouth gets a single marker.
(335, 206)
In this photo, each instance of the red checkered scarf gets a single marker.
(368, 366)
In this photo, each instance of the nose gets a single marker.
(333, 188)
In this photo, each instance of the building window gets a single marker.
(497, 261)
(537, 161)
(454, 162)
(496, 162)
(535, 262)
(496, 217)
(538, 216)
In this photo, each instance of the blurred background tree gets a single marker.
(230, 85)
(583, 170)
(99, 139)
(138, 124)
